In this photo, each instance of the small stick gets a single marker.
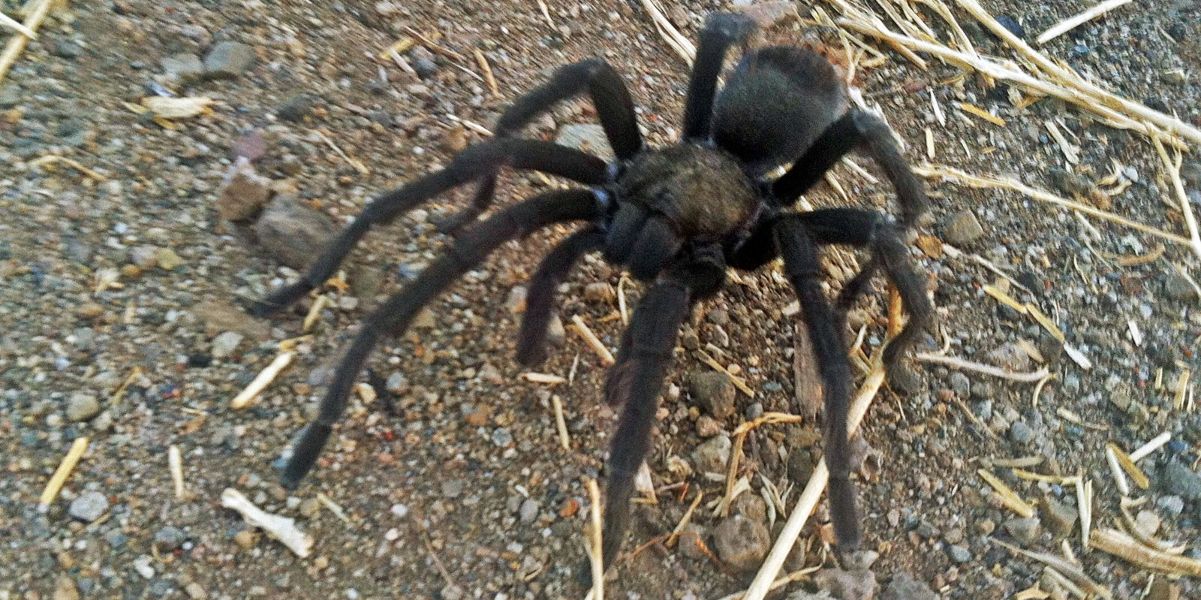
(621, 299)
(544, 378)
(593, 342)
(248, 396)
(1173, 169)
(813, 490)
(74, 164)
(358, 166)
(675, 533)
(560, 422)
(779, 583)
(716, 366)
(1006, 495)
(1127, 464)
(978, 112)
(545, 13)
(1084, 503)
(175, 464)
(487, 70)
(1125, 547)
(281, 528)
(18, 26)
(1116, 471)
(314, 313)
(671, 35)
(17, 44)
(333, 507)
(62, 473)
(967, 365)
(596, 553)
(1155, 444)
(1073, 22)
(1062, 565)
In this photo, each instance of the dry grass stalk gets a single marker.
(398, 47)
(1070, 151)
(55, 485)
(1156, 443)
(597, 346)
(1061, 581)
(813, 490)
(545, 13)
(1112, 541)
(1084, 503)
(50, 159)
(358, 166)
(1004, 183)
(543, 378)
(17, 44)
(560, 422)
(675, 533)
(1079, 19)
(1032, 593)
(680, 44)
(487, 70)
(1006, 495)
(595, 548)
(738, 382)
(1032, 476)
(310, 319)
(281, 528)
(1063, 566)
(622, 307)
(119, 393)
(1127, 463)
(333, 507)
(1022, 462)
(248, 396)
(1115, 470)
(1173, 168)
(967, 365)
(978, 112)
(740, 434)
(1145, 537)
(175, 465)
(1005, 299)
(792, 577)
(1182, 389)
(17, 26)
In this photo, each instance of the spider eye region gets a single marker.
(703, 191)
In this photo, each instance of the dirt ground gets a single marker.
(120, 320)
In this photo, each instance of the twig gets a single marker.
(74, 164)
(1062, 565)
(675, 533)
(968, 365)
(17, 26)
(671, 35)
(794, 576)
(716, 366)
(1005, 183)
(1155, 444)
(1123, 546)
(1071, 23)
(545, 13)
(560, 422)
(358, 166)
(1006, 495)
(78, 447)
(593, 342)
(175, 465)
(487, 70)
(813, 490)
(314, 313)
(1173, 169)
(17, 44)
(597, 549)
(248, 396)
(281, 528)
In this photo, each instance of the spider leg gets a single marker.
(477, 160)
(531, 340)
(647, 350)
(614, 108)
(394, 315)
(862, 129)
(799, 250)
(873, 230)
(721, 31)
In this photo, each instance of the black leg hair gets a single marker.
(856, 128)
(394, 316)
(647, 350)
(721, 31)
(484, 158)
(531, 339)
(614, 109)
(655, 246)
(802, 266)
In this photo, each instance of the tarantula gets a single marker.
(676, 218)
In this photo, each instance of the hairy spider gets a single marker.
(676, 218)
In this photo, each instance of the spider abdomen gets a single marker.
(702, 191)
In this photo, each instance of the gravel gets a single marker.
(741, 543)
(82, 407)
(88, 506)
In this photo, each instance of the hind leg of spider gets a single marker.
(614, 109)
(473, 162)
(803, 268)
(652, 337)
(874, 231)
(394, 315)
(531, 339)
(861, 129)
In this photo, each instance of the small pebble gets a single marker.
(88, 506)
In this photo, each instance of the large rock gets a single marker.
(714, 392)
(741, 543)
(293, 233)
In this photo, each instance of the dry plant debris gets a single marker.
(64, 470)
(281, 528)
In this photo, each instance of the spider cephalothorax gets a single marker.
(676, 218)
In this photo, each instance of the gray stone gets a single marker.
(587, 137)
(714, 392)
(182, 67)
(169, 538)
(1059, 518)
(1176, 287)
(958, 554)
(528, 511)
(293, 233)
(88, 506)
(225, 344)
(691, 542)
(296, 107)
(453, 488)
(961, 385)
(243, 193)
(556, 334)
(217, 317)
(82, 407)
(848, 585)
(962, 228)
(741, 543)
(1172, 505)
(423, 62)
(228, 59)
(712, 456)
(1021, 433)
(1176, 478)
(66, 49)
(904, 587)
(1023, 530)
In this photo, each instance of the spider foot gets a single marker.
(279, 299)
(451, 224)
